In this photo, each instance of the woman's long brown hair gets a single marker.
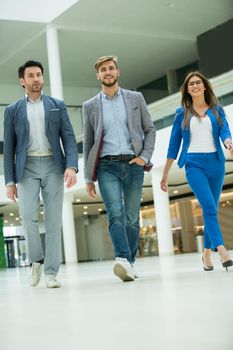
(187, 102)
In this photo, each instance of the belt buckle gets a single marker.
(114, 158)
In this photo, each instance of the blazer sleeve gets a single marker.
(176, 135)
(88, 139)
(9, 146)
(224, 132)
(148, 129)
(68, 139)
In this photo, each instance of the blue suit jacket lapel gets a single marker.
(23, 112)
(46, 110)
(213, 122)
(186, 132)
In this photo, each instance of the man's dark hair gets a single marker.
(27, 64)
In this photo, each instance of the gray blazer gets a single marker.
(58, 130)
(141, 128)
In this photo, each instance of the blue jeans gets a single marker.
(120, 185)
(205, 175)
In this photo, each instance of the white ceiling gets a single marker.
(148, 36)
(43, 11)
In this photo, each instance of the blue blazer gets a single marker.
(178, 134)
(16, 137)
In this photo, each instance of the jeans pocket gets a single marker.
(103, 162)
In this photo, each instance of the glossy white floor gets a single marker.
(173, 305)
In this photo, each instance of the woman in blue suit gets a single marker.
(200, 123)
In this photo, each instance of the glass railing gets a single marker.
(162, 111)
(74, 112)
(164, 122)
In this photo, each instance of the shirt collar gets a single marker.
(118, 93)
(40, 98)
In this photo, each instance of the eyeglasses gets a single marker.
(197, 82)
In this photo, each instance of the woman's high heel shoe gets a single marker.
(227, 264)
(207, 268)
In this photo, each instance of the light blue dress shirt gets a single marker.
(115, 126)
(38, 142)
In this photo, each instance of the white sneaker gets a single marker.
(35, 274)
(123, 269)
(136, 275)
(52, 282)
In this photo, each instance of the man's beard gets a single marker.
(37, 88)
(110, 83)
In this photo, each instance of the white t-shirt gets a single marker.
(201, 135)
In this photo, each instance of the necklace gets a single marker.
(201, 112)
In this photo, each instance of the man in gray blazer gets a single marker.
(119, 139)
(35, 127)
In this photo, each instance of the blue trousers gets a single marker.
(120, 185)
(205, 175)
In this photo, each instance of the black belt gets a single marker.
(119, 157)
